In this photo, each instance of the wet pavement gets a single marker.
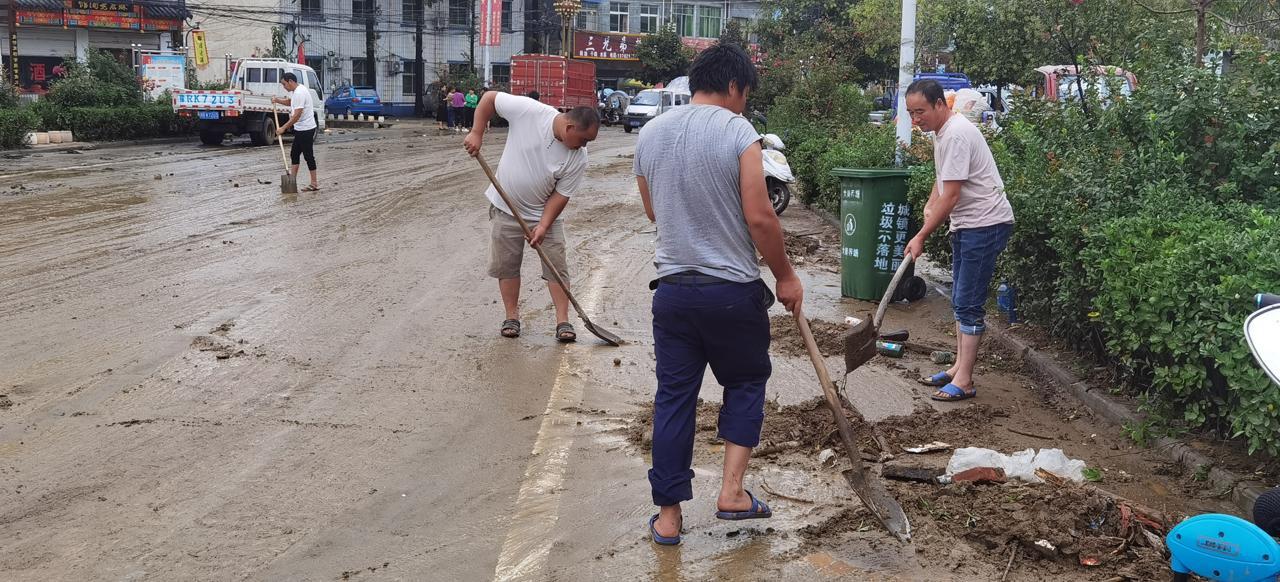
(205, 379)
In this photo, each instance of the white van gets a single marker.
(651, 103)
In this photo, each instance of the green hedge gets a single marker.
(15, 123)
(140, 121)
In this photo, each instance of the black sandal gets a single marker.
(510, 328)
(565, 333)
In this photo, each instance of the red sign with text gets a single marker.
(606, 46)
(490, 22)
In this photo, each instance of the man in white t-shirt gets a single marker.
(541, 168)
(303, 122)
(969, 192)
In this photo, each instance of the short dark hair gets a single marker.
(931, 89)
(586, 118)
(289, 77)
(534, 95)
(719, 65)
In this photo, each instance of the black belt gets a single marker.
(693, 279)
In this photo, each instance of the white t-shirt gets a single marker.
(534, 163)
(301, 99)
(961, 153)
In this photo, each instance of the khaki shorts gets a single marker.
(507, 244)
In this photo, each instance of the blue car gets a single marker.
(353, 100)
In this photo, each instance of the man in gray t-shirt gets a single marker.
(700, 172)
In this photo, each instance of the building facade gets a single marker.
(602, 27)
(334, 35)
(43, 33)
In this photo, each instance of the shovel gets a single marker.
(860, 342)
(288, 182)
(871, 491)
(596, 330)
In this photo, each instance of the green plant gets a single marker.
(663, 56)
(100, 81)
(15, 124)
(8, 93)
(1092, 474)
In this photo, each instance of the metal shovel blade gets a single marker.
(880, 503)
(288, 184)
(602, 333)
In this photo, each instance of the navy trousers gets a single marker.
(724, 325)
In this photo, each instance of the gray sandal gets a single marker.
(510, 328)
(565, 333)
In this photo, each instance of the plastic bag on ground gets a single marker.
(1021, 465)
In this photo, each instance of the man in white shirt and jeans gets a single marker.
(303, 122)
(541, 168)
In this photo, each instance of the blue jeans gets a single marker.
(725, 325)
(973, 262)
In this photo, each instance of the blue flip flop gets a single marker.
(758, 511)
(661, 539)
(953, 393)
(936, 380)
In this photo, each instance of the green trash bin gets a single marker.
(875, 225)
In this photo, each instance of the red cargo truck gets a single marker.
(560, 89)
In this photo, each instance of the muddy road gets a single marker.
(206, 380)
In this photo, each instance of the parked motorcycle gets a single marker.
(1225, 547)
(613, 108)
(777, 173)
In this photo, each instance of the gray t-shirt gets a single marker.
(689, 157)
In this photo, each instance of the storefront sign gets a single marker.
(701, 44)
(607, 46)
(36, 73)
(104, 6)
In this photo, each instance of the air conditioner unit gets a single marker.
(395, 67)
(334, 62)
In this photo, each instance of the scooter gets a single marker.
(1225, 547)
(613, 108)
(777, 173)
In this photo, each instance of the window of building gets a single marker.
(313, 9)
(359, 73)
(649, 18)
(682, 16)
(507, 16)
(459, 13)
(409, 10)
(359, 7)
(744, 25)
(709, 21)
(409, 78)
(618, 12)
(501, 73)
(586, 20)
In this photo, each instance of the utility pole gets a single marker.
(471, 33)
(370, 51)
(419, 105)
(906, 72)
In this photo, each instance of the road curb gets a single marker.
(1243, 492)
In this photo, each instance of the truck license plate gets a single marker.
(209, 115)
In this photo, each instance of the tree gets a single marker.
(662, 56)
(733, 34)
(277, 44)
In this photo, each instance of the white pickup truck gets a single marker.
(246, 107)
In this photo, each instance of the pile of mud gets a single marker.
(1071, 531)
(926, 425)
(808, 426)
(787, 340)
(818, 248)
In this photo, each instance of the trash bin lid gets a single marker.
(871, 172)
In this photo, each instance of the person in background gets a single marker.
(442, 108)
(458, 102)
(303, 122)
(470, 102)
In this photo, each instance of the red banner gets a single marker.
(490, 22)
(701, 44)
(606, 46)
